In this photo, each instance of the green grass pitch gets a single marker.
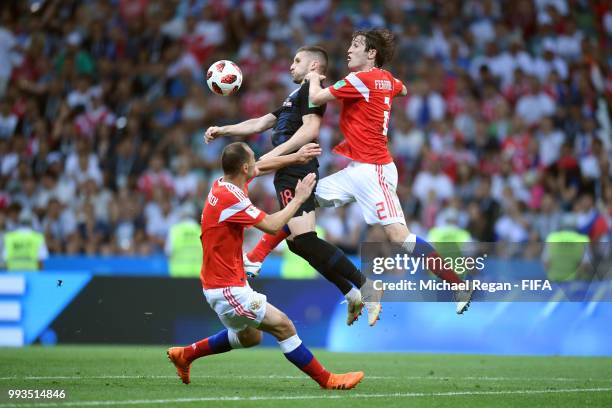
(142, 376)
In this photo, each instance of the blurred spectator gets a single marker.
(156, 176)
(59, 224)
(407, 140)
(534, 105)
(432, 180)
(24, 248)
(183, 246)
(8, 120)
(512, 226)
(550, 140)
(160, 216)
(425, 105)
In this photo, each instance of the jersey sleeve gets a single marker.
(241, 211)
(306, 107)
(351, 87)
(397, 86)
(250, 216)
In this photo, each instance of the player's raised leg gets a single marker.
(413, 244)
(329, 260)
(266, 244)
(280, 326)
(340, 189)
(222, 342)
(375, 190)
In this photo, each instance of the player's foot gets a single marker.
(251, 268)
(374, 309)
(463, 298)
(371, 300)
(354, 311)
(343, 381)
(175, 355)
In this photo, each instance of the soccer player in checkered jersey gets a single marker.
(295, 123)
(366, 95)
(244, 312)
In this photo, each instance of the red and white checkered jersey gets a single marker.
(227, 212)
(366, 98)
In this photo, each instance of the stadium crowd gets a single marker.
(505, 131)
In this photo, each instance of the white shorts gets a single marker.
(237, 307)
(373, 186)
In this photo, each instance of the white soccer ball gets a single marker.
(224, 78)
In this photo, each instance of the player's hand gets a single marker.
(307, 153)
(304, 187)
(211, 134)
(314, 76)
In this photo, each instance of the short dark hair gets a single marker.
(381, 40)
(233, 157)
(319, 52)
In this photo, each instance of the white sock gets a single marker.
(409, 243)
(233, 339)
(353, 296)
(290, 344)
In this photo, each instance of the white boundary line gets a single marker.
(270, 377)
(323, 396)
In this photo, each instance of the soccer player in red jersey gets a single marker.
(295, 123)
(366, 95)
(244, 312)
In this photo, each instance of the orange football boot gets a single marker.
(343, 381)
(175, 355)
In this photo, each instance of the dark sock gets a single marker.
(299, 246)
(330, 261)
(434, 262)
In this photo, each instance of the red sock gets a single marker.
(197, 350)
(265, 245)
(316, 371)
(435, 263)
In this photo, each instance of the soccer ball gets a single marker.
(224, 78)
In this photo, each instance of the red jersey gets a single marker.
(366, 98)
(228, 211)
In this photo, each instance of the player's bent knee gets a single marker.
(249, 338)
(396, 232)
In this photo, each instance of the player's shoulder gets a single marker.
(229, 193)
(366, 78)
(303, 90)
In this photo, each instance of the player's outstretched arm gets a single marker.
(302, 156)
(308, 132)
(318, 95)
(248, 127)
(273, 222)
